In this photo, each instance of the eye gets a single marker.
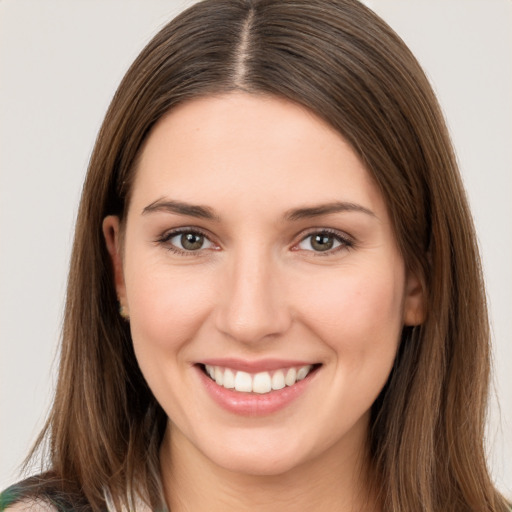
(187, 241)
(323, 241)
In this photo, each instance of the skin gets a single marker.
(258, 289)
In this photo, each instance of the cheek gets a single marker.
(167, 305)
(359, 317)
(358, 314)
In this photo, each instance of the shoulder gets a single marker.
(29, 505)
(17, 499)
(31, 495)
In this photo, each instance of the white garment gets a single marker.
(138, 506)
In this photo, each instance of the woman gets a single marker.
(275, 298)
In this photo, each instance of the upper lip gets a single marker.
(261, 365)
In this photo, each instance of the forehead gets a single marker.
(238, 148)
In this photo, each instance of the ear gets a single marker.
(112, 234)
(414, 303)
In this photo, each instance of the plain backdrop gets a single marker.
(60, 62)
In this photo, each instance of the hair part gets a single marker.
(339, 60)
(242, 53)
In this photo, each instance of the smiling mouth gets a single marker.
(261, 382)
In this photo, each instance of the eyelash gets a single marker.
(345, 243)
(169, 235)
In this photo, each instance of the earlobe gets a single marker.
(414, 304)
(112, 234)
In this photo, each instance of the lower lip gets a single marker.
(254, 404)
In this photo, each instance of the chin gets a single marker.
(257, 465)
(260, 457)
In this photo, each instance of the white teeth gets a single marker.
(229, 379)
(262, 382)
(291, 377)
(243, 382)
(278, 380)
(302, 373)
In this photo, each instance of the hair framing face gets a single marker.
(339, 60)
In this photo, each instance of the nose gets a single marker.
(252, 304)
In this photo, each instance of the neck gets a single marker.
(332, 481)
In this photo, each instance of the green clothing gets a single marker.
(31, 488)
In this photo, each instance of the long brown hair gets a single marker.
(337, 58)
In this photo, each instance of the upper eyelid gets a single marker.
(331, 231)
(170, 233)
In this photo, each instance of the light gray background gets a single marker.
(60, 62)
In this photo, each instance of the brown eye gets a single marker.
(322, 241)
(189, 241)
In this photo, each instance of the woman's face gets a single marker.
(258, 248)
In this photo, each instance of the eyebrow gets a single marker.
(295, 214)
(180, 208)
(326, 209)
